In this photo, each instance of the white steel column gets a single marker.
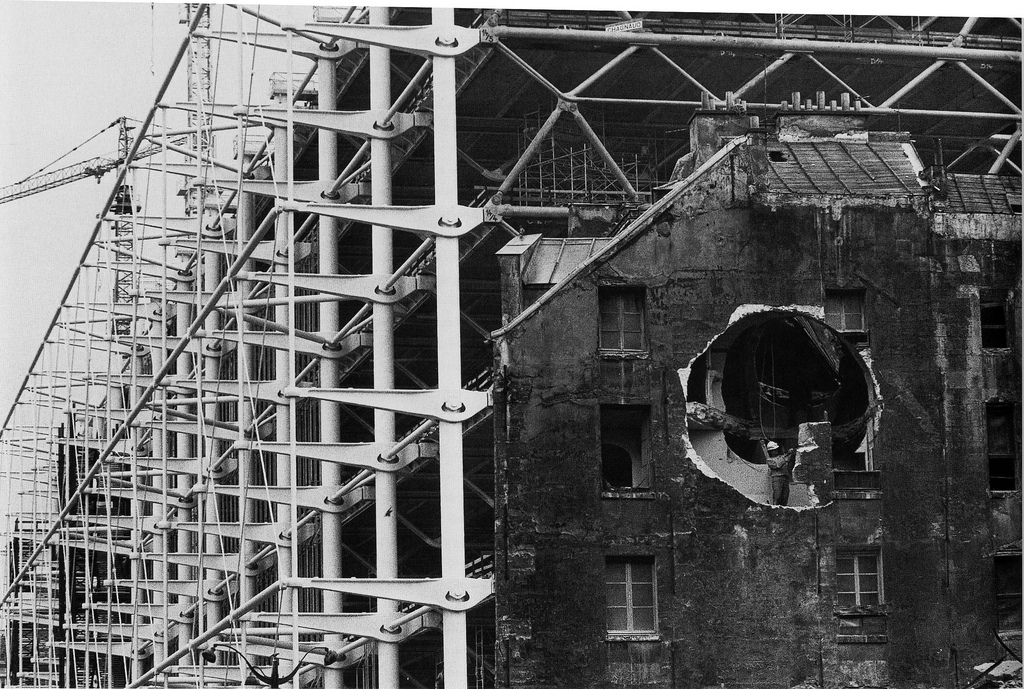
(331, 473)
(246, 507)
(386, 505)
(449, 351)
(184, 482)
(209, 514)
(282, 363)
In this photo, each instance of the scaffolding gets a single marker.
(225, 469)
(568, 169)
(215, 452)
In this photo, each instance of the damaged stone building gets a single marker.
(810, 284)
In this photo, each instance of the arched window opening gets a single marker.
(625, 455)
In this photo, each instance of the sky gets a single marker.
(68, 69)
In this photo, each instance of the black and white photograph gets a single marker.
(587, 347)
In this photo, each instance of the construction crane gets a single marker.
(93, 167)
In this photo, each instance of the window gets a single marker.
(858, 580)
(622, 318)
(625, 451)
(854, 470)
(630, 595)
(844, 311)
(993, 323)
(1002, 458)
(859, 612)
(1008, 591)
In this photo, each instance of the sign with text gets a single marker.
(632, 25)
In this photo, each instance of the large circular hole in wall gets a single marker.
(759, 380)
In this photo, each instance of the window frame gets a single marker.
(851, 619)
(994, 301)
(1014, 566)
(856, 556)
(618, 296)
(1009, 411)
(631, 562)
(844, 297)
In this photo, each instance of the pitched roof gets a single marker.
(982, 193)
(841, 168)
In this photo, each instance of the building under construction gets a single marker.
(506, 348)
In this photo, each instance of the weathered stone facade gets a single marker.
(746, 592)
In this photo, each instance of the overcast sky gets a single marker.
(69, 69)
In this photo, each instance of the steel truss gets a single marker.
(217, 400)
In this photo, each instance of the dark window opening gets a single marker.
(1002, 455)
(625, 451)
(1014, 202)
(993, 325)
(1008, 591)
(630, 595)
(616, 466)
(777, 156)
(622, 318)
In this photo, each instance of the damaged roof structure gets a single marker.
(539, 348)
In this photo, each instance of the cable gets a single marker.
(65, 155)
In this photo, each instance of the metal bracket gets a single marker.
(359, 287)
(314, 497)
(195, 346)
(184, 224)
(265, 533)
(184, 465)
(268, 391)
(302, 191)
(182, 587)
(444, 405)
(279, 42)
(367, 625)
(455, 595)
(151, 312)
(419, 40)
(212, 174)
(208, 431)
(365, 455)
(281, 341)
(266, 251)
(364, 123)
(217, 562)
(428, 221)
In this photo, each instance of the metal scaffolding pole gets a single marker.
(386, 503)
(750, 44)
(282, 367)
(449, 350)
(332, 473)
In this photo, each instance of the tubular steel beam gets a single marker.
(499, 33)
(382, 247)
